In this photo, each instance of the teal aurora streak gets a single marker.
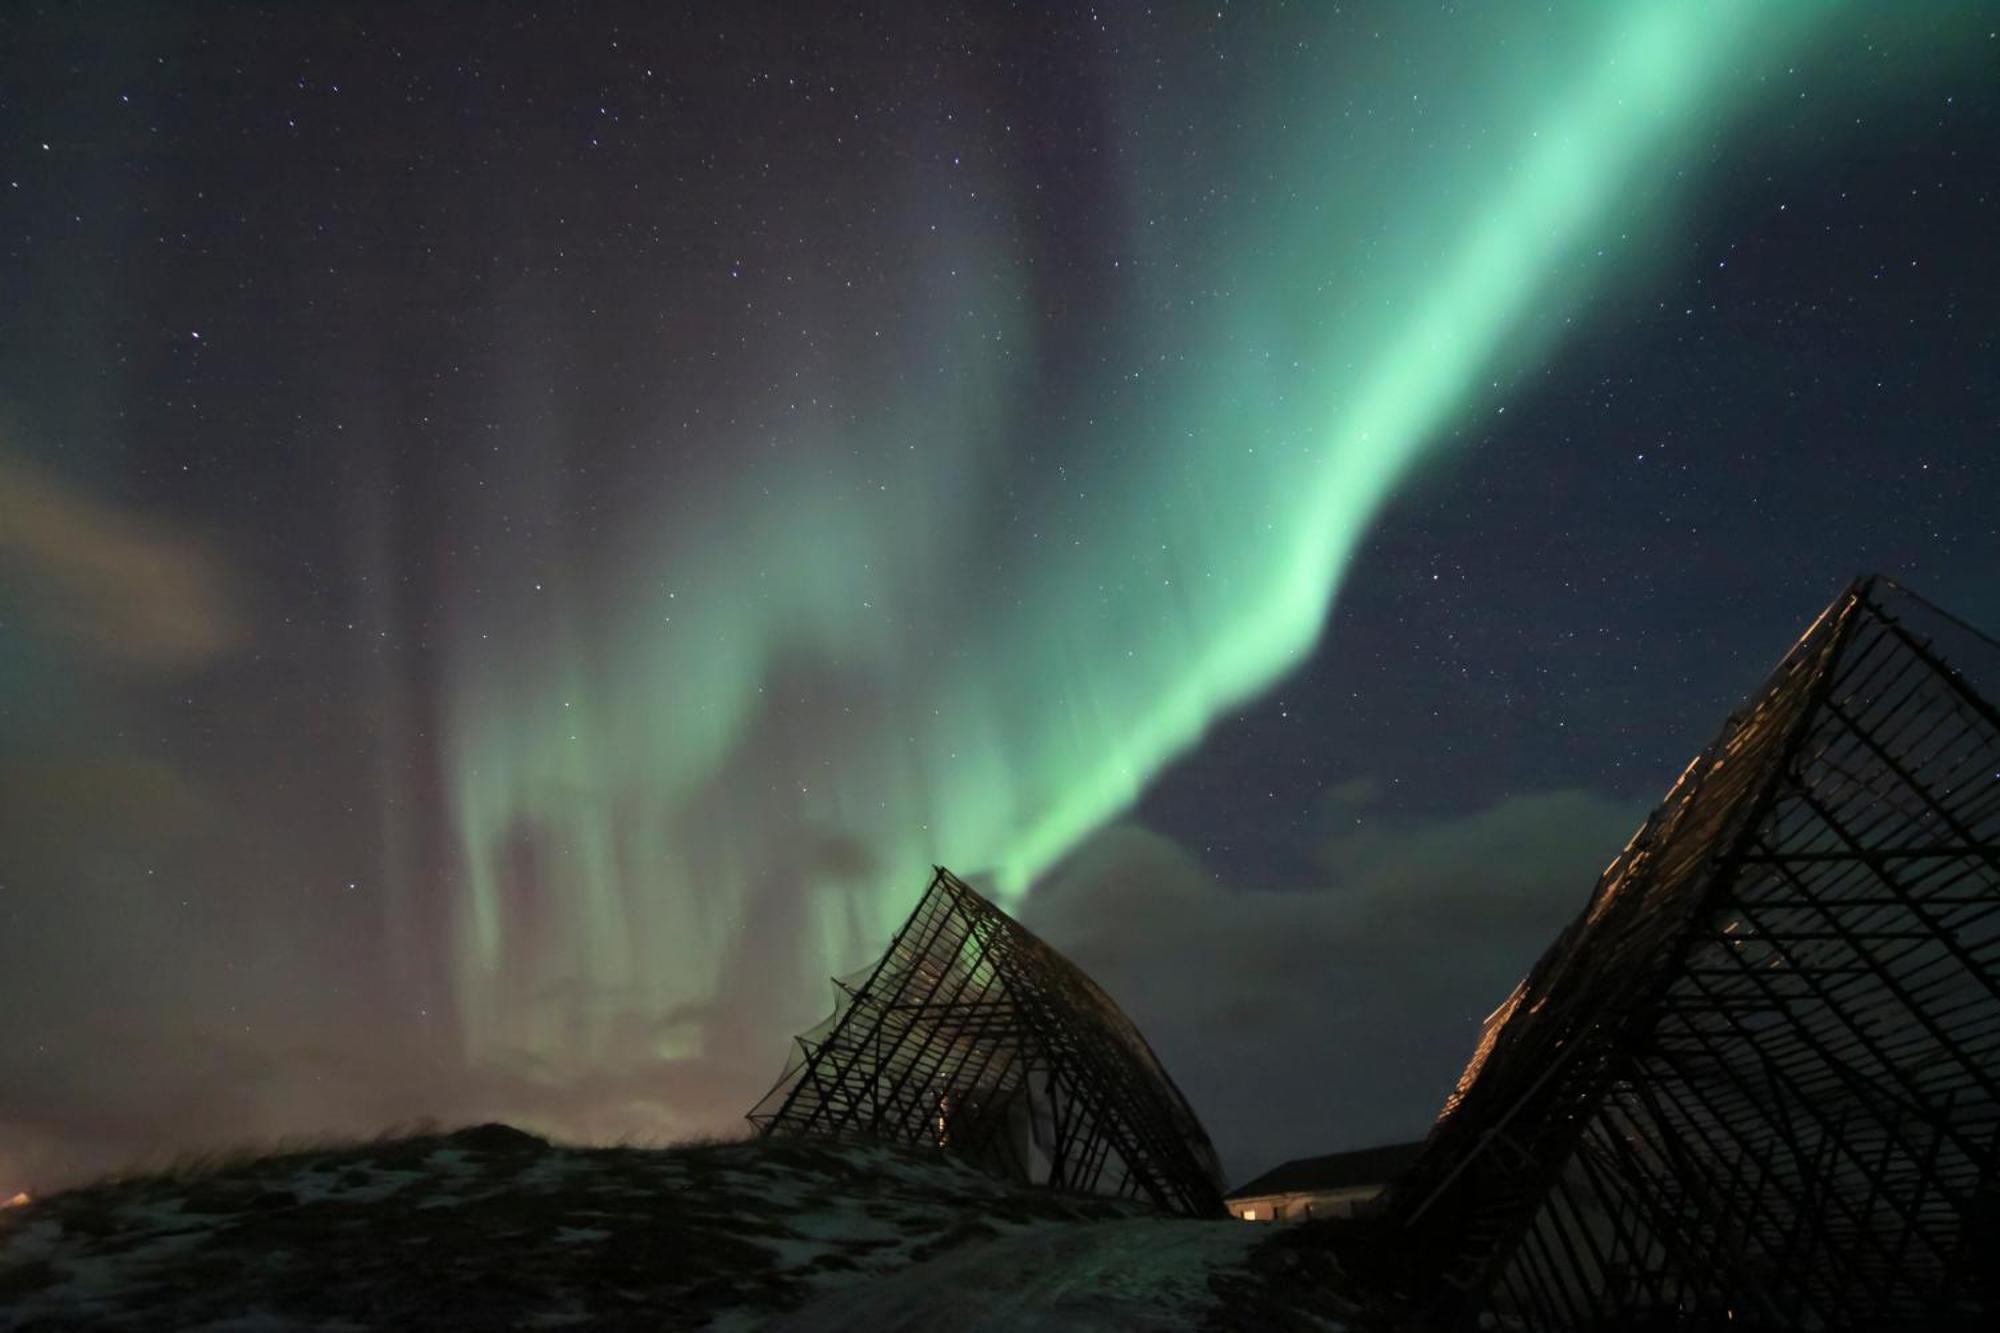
(822, 680)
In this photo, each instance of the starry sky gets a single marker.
(525, 530)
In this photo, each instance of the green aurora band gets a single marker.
(823, 678)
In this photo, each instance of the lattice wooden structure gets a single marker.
(973, 1035)
(1756, 1083)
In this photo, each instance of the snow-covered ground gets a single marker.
(1138, 1273)
(492, 1228)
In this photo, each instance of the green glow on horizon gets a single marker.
(824, 679)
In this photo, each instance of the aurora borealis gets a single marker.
(1182, 556)
(551, 550)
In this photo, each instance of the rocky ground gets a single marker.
(492, 1228)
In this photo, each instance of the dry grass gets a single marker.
(263, 1157)
(199, 1163)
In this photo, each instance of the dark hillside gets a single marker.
(492, 1228)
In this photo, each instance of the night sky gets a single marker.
(525, 530)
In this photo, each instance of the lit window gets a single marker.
(1249, 1214)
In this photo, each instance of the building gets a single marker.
(1337, 1185)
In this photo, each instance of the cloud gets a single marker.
(171, 982)
(1298, 1020)
(1336, 1014)
(115, 1094)
(97, 801)
(124, 587)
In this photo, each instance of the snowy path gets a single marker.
(1137, 1274)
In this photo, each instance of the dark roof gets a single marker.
(1340, 1170)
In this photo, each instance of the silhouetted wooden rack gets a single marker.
(1756, 1083)
(972, 1034)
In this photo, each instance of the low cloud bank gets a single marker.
(1338, 1013)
